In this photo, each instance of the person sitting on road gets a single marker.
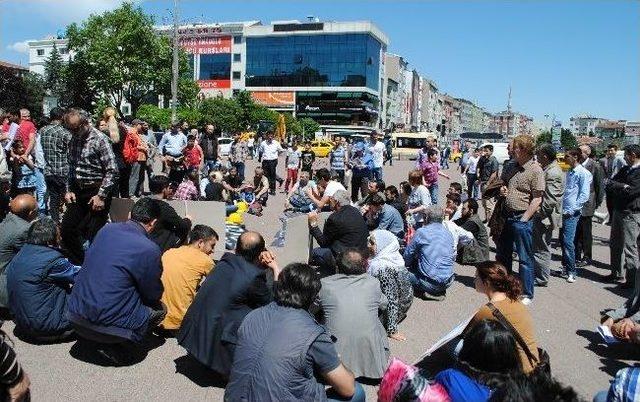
(116, 296)
(183, 269)
(478, 250)
(343, 229)
(288, 331)
(392, 197)
(429, 257)
(39, 280)
(326, 186)
(374, 187)
(453, 206)
(351, 301)
(386, 264)
(232, 182)
(380, 215)
(487, 359)
(188, 189)
(503, 291)
(237, 286)
(214, 190)
(171, 230)
(298, 199)
(261, 187)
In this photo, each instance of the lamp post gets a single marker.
(174, 66)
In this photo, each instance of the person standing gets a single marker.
(238, 154)
(209, 145)
(55, 144)
(150, 138)
(361, 162)
(488, 173)
(624, 191)
(91, 182)
(171, 146)
(28, 133)
(307, 157)
(584, 237)
(270, 150)
(388, 146)
(135, 155)
(523, 192)
(377, 150)
(471, 172)
(293, 164)
(430, 172)
(576, 194)
(338, 159)
(611, 164)
(547, 219)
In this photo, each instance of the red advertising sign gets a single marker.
(274, 99)
(214, 84)
(206, 45)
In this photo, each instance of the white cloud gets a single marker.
(20, 47)
(63, 12)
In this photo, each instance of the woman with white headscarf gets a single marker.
(387, 265)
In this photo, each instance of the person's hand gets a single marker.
(503, 191)
(398, 337)
(312, 217)
(70, 197)
(268, 259)
(97, 203)
(20, 390)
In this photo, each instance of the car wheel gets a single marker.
(455, 160)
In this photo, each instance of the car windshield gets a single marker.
(406, 142)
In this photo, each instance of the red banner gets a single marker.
(207, 45)
(214, 84)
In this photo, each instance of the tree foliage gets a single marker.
(124, 58)
(567, 139)
(54, 73)
(21, 91)
(309, 127)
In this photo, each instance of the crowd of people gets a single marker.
(312, 330)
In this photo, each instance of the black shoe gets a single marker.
(542, 284)
(272, 192)
(613, 278)
(583, 263)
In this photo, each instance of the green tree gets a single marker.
(25, 90)
(54, 73)
(567, 139)
(158, 118)
(226, 114)
(76, 88)
(309, 127)
(125, 58)
(543, 138)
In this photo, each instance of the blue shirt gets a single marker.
(462, 388)
(576, 192)
(391, 220)
(432, 249)
(626, 386)
(172, 144)
(338, 158)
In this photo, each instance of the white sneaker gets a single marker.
(571, 278)
(526, 301)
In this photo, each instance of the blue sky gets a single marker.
(560, 57)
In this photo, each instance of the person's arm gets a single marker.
(446, 176)
(162, 144)
(341, 380)
(325, 237)
(12, 377)
(264, 188)
(411, 251)
(147, 278)
(464, 236)
(32, 142)
(64, 271)
(598, 183)
(584, 189)
(27, 161)
(552, 195)
(533, 207)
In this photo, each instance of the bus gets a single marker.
(406, 145)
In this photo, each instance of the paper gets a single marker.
(457, 331)
(607, 336)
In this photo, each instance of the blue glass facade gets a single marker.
(215, 66)
(339, 60)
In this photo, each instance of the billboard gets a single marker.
(274, 98)
(206, 45)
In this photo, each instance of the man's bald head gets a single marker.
(250, 245)
(24, 206)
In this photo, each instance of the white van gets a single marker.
(499, 150)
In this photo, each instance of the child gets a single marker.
(188, 190)
(192, 153)
(24, 171)
(430, 172)
(307, 157)
(293, 164)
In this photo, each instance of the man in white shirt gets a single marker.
(330, 185)
(270, 150)
(471, 171)
(377, 149)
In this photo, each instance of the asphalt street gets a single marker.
(565, 315)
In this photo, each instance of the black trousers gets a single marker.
(81, 223)
(584, 238)
(56, 189)
(269, 168)
(359, 183)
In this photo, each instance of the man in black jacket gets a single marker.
(237, 285)
(624, 191)
(171, 230)
(345, 228)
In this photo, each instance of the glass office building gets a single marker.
(342, 60)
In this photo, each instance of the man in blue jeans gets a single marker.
(522, 192)
(430, 256)
(576, 193)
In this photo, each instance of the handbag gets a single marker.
(541, 364)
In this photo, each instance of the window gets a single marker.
(40, 52)
(237, 40)
(215, 66)
(236, 75)
(236, 92)
(237, 57)
(64, 50)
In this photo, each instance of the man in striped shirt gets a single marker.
(14, 382)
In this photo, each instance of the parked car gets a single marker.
(224, 146)
(455, 156)
(321, 148)
(560, 159)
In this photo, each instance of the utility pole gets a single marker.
(174, 67)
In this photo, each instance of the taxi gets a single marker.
(321, 148)
(563, 165)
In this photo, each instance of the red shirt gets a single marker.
(25, 130)
(192, 156)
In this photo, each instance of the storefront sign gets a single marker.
(214, 84)
(207, 45)
(274, 98)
